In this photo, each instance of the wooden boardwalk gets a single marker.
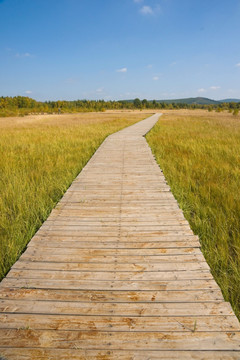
(116, 272)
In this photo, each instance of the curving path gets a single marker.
(116, 272)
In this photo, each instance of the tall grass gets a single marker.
(39, 158)
(199, 153)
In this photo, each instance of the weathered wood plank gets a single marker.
(196, 296)
(113, 309)
(65, 243)
(111, 259)
(116, 323)
(79, 354)
(74, 221)
(112, 233)
(111, 275)
(176, 285)
(93, 339)
(144, 266)
(31, 251)
(116, 237)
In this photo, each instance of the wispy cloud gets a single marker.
(137, 1)
(201, 90)
(155, 78)
(122, 70)
(149, 66)
(215, 87)
(23, 55)
(238, 64)
(146, 10)
(28, 92)
(100, 90)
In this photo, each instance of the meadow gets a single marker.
(199, 153)
(40, 156)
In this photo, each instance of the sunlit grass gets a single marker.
(199, 153)
(39, 158)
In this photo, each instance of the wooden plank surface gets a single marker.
(116, 272)
(80, 354)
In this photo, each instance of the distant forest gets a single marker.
(20, 106)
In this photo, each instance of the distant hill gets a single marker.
(190, 101)
(230, 100)
(198, 101)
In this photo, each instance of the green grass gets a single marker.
(199, 153)
(39, 159)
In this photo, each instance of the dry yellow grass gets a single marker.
(39, 158)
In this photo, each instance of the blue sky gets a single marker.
(120, 49)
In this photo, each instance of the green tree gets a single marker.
(145, 103)
(137, 103)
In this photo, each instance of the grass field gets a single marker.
(199, 153)
(39, 158)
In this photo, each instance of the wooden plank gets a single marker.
(177, 285)
(154, 205)
(132, 223)
(197, 296)
(117, 198)
(107, 191)
(79, 354)
(144, 266)
(114, 210)
(112, 252)
(115, 228)
(116, 309)
(118, 323)
(110, 275)
(111, 259)
(112, 233)
(93, 339)
(116, 237)
(79, 244)
(91, 218)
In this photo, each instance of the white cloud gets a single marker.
(215, 87)
(149, 66)
(99, 90)
(146, 10)
(201, 90)
(156, 78)
(238, 64)
(28, 92)
(122, 70)
(24, 55)
(137, 1)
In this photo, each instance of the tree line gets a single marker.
(22, 105)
